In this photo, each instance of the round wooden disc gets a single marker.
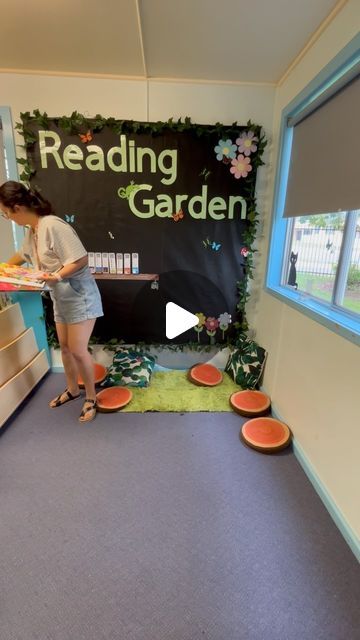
(99, 374)
(250, 403)
(113, 399)
(266, 434)
(205, 375)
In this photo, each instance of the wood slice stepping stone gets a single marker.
(250, 403)
(99, 374)
(113, 399)
(266, 434)
(205, 375)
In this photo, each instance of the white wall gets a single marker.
(6, 240)
(138, 100)
(312, 374)
(6, 236)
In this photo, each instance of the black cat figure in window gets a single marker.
(292, 272)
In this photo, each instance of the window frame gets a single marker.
(340, 321)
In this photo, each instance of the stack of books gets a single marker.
(21, 276)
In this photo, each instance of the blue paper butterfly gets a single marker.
(70, 218)
(213, 245)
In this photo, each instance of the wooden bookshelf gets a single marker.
(5, 287)
(22, 364)
(123, 276)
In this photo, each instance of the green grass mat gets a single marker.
(171, 391)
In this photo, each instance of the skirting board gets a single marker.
(346, 531)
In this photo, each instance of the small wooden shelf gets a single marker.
(123, 276)
(22, 365)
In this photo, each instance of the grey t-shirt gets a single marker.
(54, 244)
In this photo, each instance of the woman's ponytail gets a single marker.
(38, 203)
(15, 193)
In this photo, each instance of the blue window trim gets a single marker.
(337, 320)
(9, 144)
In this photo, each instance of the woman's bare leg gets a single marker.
(69, 362)
(78, 340)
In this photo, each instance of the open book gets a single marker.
(21, 276)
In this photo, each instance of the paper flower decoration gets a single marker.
(224, 320)
(202, 319)
(225, 149)
(211, 325)
(246, 143)
(200, 326)
(240, 166)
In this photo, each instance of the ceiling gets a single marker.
(207, 40)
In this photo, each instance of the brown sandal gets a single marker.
(58, 402)
(88, 413)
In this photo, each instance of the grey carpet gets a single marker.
(162, 527)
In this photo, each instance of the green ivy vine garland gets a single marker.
(78, 123)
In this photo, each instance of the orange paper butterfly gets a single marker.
(178, 216)
(87, 137)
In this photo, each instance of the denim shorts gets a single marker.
(77, 298)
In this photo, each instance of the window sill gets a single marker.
(337, 321)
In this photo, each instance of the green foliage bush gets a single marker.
(354, 276)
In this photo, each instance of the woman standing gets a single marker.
(52, 245)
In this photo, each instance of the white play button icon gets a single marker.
(178, 320)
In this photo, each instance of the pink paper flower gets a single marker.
(240, 166)
(245, 252)
(211, 324)
(246, 143)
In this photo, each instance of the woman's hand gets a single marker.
(50, 278)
